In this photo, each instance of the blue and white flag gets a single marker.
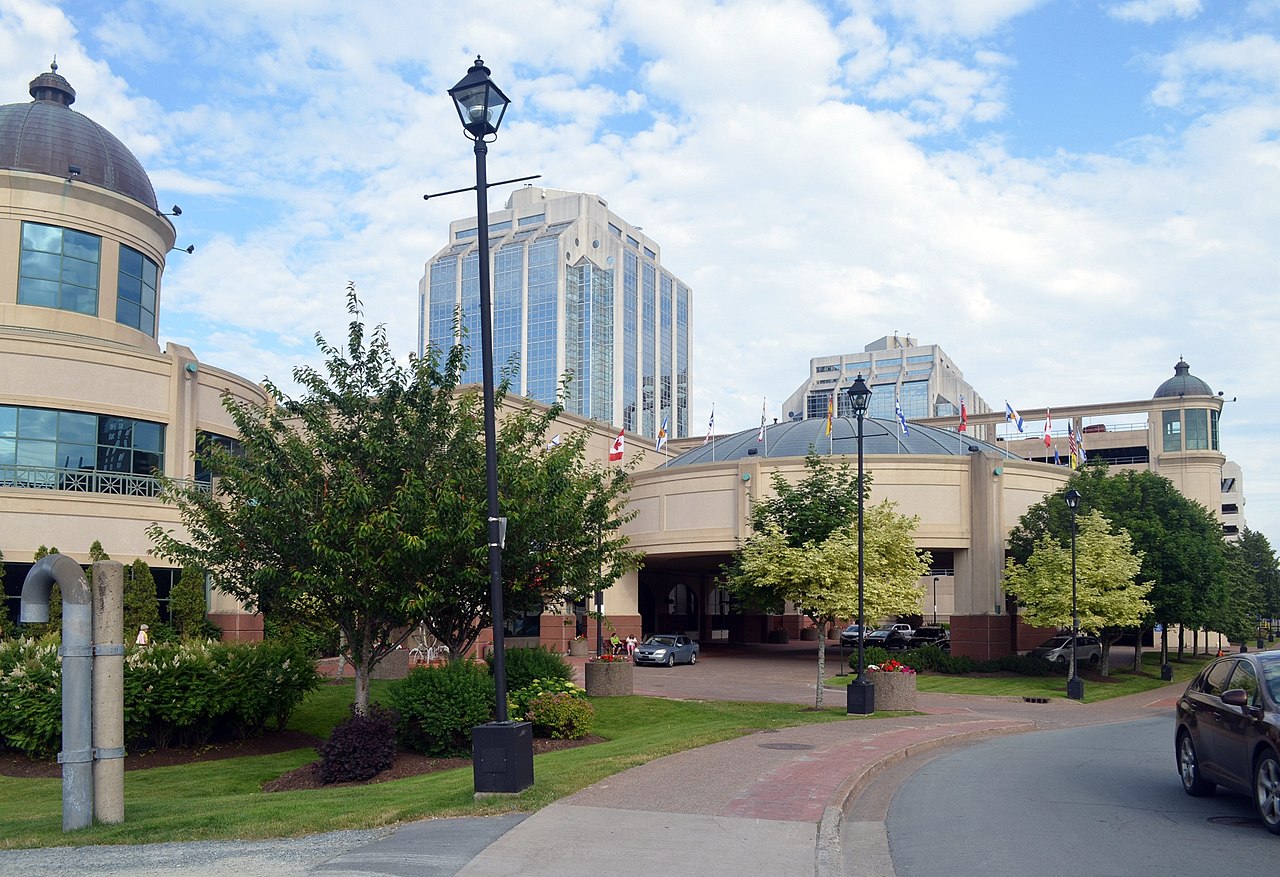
(711, 425)
(897, 409)
(555, 442)
(662, 434)
(1012, 416)
(1056, 460)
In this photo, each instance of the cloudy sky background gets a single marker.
(1066, 196)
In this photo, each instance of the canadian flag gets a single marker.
(619, 445)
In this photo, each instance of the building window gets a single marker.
(72, 450)
(1230, 508)
(204, 475)
(59, 268)
(533, 220)
(466, 233)
(1197, 429)
(1172, 431)
(1213, 430)
(136, 291)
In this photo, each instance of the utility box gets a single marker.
(502, 757)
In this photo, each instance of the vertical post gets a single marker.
(861, 695)
(1075, 685)
(935, 601)
(490, 435)
(108, 691)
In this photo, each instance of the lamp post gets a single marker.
(1075, 685)
(935, 601)
(502, 751)
(861, 697)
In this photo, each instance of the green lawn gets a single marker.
(221, 799)
(1096, 688)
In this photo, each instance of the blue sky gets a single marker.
(1067, 196)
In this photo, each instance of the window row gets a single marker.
(60, 268)
(43, 447)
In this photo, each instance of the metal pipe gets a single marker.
(76, 756)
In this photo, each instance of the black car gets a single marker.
(849, 636)
(930, 636)
(1228, 731)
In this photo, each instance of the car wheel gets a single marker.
(693, 658)
(1266, 790)
(1095, 659)
(671, 659)
(1189, 768)
(1061, 660)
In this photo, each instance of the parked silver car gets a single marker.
(667, 649)
(1057, 649)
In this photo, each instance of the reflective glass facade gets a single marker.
(136, 291)
(574, 294)
(59, 268)
(74, 450)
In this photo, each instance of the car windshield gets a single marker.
(1270, 665)
(1056, 642)
(661, 641)
(886, 627)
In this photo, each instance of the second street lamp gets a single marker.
(502, 751)
(861, 695)
(1075, 685)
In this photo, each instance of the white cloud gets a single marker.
(1152, 11)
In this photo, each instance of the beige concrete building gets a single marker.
(90, 406)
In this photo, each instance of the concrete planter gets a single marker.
(609, 678)
(894, 691)
(577, 648)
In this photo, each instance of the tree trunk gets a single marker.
(822, 667)
(1137, 651)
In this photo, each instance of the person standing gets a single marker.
(144, 637)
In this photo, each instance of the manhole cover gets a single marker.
(1241, 821)
(1035, 699)
(788, 746)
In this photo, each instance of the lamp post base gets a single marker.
(861, 698)
(1075, 688)
(1166, 672)
(502, 757)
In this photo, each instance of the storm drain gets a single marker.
(790, 747)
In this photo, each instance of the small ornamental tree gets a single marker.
(187, 606)
(1109, 599)
(141, 606)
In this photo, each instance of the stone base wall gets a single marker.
(238, 626)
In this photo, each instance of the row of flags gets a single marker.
(1075, 440)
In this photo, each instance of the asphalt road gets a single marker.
(1098, 800)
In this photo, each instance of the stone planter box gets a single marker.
(577, 648)
(894, 691)
(809, 633)
(609, 678)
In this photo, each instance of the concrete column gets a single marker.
(108, 691)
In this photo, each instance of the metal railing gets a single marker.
(86, 481)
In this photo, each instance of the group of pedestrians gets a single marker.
(624, 646)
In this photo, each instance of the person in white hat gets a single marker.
(143, 636)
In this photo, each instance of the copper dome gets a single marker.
(46, 136)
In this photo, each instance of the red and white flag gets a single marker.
(1048, 428)
(619, 445)
(964, 416)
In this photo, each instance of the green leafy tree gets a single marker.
(362, 503)
(804, 550)
(141, 604)
(1109, 599)
(1236, 598)
(1257, 553)
(1179, 541)
(187, 606)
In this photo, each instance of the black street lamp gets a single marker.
(861, 696)
(502, 751)
(1075, 685)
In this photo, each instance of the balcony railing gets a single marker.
(84, 481)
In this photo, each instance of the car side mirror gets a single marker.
(1239, 697)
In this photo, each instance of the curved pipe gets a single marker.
(76, 756)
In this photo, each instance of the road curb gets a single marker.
(828, 856)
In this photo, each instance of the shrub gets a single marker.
(439, 706)
(526, 665)
(561, 716)
(870, 655)
(31, 696)
(360, 747)
(518, 701)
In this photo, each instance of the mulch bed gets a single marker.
(407, 764)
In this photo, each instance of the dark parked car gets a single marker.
(893, 637)
(930, 636)
(1228, 731)
(667, 649)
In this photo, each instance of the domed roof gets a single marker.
(46, 136)
(1183, 383)
(795, 437)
